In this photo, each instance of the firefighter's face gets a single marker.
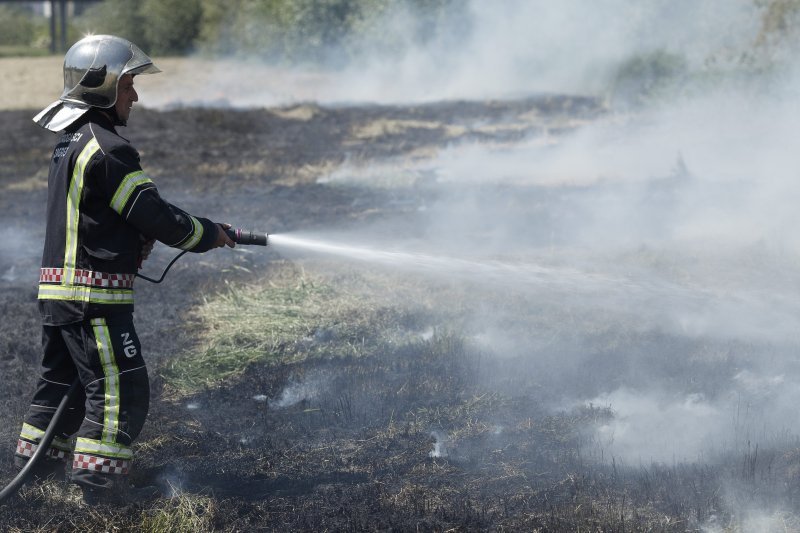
(126, 96)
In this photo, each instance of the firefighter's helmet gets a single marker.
(92, 69)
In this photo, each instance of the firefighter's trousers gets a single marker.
(109, 412)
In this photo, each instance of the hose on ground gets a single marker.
(43, 446)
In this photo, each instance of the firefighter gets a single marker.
(103, 215)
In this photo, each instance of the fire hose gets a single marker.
(236, 235)
(43, 446)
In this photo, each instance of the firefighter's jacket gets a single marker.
(101, 207)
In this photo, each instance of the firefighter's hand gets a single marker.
(222, 237)
(146, 250)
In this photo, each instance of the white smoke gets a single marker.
(300, 390)
(482, 50)
(689, 195)
(21, 253)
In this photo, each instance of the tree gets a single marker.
(171, 26)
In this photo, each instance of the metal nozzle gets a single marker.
(239, 236)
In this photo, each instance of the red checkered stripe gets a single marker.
(27, 449)
(89, 277)
(100, 464)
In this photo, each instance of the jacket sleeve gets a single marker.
(134, 196)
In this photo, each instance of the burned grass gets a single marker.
(342, 412)
(356, 401)
(412, 429)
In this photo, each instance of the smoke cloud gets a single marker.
(483, 50)
(684, 205)
(20, 256)
(682, 197)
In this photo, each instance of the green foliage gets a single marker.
(157, 26)
(279, 29)
(315, 30)
(18, 27)
(646, 77)
(115, 17)
(284, 30)
(170, 26)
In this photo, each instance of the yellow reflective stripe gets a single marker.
(111, 372)
(30, 432)
(197, 234)
(74, 209)
(61, 444)
(80, 293)
(35, 434)
(126, 188)
(93, 446)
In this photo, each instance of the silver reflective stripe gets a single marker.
(74, 209)
(196, 235)
(111, 373)
(32, 433)
(77, 293)
(35, 434)
(93, 446)
(126, 188)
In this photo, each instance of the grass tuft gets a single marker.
(245, 324)
(183, 513)
(292, 315)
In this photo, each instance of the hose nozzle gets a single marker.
(240, 236)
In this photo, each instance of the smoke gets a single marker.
(681, 201)
(474, 50)
(300, 390)
(684, 205)
(21, 253)
(439, 445)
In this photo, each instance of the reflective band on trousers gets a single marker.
(111, 372)
(79, 293)
(105, 449)
(89, 277)
(34, 434)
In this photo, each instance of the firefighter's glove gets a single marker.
(222, 237)
(146, 250)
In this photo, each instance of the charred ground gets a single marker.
(418, 432)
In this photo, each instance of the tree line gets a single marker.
(289, 30)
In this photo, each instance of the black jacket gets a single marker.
(101, 206)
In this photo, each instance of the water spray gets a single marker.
(237, 235)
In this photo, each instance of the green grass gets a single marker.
(245, 324)
(291, 315)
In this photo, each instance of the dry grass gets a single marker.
(289, 316)
(185, 513)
